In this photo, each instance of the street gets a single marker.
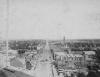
(44, 67)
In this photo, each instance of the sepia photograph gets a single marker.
(49, 38)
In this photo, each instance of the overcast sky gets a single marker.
(51, 19)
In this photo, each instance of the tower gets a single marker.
(66, 46)
(64, 41)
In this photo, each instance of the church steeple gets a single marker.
(64, 40)
(65, 45)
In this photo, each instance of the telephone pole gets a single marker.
(7, 31)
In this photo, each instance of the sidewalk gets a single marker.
(54, 72)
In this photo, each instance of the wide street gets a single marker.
(44, 67)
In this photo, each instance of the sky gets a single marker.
(50, 19)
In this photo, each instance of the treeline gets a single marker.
(84, 46)
(24, 44)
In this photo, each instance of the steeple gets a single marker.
(64, 40)
(65, 45)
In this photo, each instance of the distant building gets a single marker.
(90, 57)
(71, 61)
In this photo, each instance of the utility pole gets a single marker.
(7, 31)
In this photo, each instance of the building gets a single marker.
(71, 61)
(90, 57)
